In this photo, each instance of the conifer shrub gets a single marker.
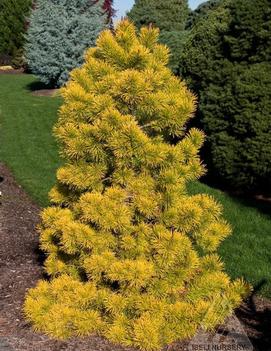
(13, 15)
(201, 12)
(59, 33)
(227, 62)
(170, 17)
(130, 254)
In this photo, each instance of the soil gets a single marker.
(21, 268)
(11, 71)
(45, 92)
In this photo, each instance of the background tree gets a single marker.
(131, 255)
(59, 33)
(201, 11)
(13, 14)
(226, 62)
(166, 15)
(170, 17)
(109, 9)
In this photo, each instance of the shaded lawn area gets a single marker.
(30, 151)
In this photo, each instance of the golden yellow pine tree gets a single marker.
(131, 255)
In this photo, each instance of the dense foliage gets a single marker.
(59, 33)
(170, 17)
(13, 15)
(227, 63)
(131, 255)
(201, 11)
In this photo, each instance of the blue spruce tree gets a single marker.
(59, 33)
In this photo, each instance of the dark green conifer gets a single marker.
(227, 63)
(170, 17)
(13, 16)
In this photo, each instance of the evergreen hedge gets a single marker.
(227, 63)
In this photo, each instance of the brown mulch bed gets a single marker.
(45, 92)
(11, 71)
(21, 268)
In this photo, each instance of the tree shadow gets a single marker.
(37, 85)
(40, 259)
(255, 315)
(260, 203)
(40, 255)
(37, 88)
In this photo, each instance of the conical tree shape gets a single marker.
(59, 33)
(131, 255)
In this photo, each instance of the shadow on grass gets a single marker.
(37, 85)
(37, 88)
(260, 203)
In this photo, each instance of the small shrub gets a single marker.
(131, 255)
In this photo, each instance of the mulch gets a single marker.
(45, 92)
(21, 268)
(11, 71)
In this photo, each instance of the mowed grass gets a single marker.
(27, 145)
(30, 151)
(247, 252)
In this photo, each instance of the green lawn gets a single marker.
(28, 148)
(27, 145)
